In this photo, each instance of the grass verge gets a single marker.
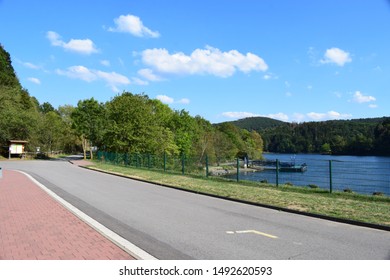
(361, 208)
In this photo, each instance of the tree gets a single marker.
(70, 141)
(136, 124)
(88, 120)
(224, 148)
(50, 132)
(8, 76)
(382, 138)
(203, 139)
(183, 126)
(46, 107)
(325, 149)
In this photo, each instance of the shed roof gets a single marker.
(17, 141)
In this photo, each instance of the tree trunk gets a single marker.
(84, 143)
(90, 150)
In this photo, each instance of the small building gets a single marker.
(16, 147)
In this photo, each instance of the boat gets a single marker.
(288, 167)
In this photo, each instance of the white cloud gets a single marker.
(31, 65)
(133, 25)
(169, 100)
(165, 99)
(336, 56)
(34, 80)
(184, 101)
(138, 81)
(105, 63)
(270, 76)
(85, 46)
(78, 72)
(278, 116)
(242, 115)
(359, 97)
(296, 117)
(202, 61)
(239, 115)
(149, 75)
(331, 115)
(112, 79)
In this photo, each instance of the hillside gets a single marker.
(370, 136)
(7, 74)
(258, 123)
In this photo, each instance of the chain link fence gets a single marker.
(371, 178)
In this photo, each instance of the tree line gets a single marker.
(135, 123)
(128, 123)
(340, 137)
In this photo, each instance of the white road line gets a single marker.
(127, 246)
(253, 232)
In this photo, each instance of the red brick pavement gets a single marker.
(33, 226)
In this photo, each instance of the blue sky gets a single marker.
(295, 61)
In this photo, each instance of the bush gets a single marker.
(378, 194)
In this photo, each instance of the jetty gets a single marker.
(282, 166)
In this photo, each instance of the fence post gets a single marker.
(277, 173)
(330, 177)
(182, 164)
(207, 166)
(149, 161)
(238, 170)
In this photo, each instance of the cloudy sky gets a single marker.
(295, 61)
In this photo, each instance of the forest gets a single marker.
(128, 123)
(340, 137)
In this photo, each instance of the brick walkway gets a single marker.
(35, 226)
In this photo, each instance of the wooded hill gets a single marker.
(350, 137)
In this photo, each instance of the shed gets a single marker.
(16, 147)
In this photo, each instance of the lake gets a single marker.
(360, 174)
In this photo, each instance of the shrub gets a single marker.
(378, 194)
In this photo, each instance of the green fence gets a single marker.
(332, 175)
(173, 164)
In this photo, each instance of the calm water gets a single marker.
(360, 174)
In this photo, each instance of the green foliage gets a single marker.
(245, 143)
(355, 137)
(88, 121)
(382, 137)
(258, 123)
(7, 74)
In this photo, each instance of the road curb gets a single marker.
(282, 209)
(122, 243)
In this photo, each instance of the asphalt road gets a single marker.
(171, 224)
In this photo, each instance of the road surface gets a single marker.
(171, 224)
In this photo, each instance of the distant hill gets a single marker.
(258, 123)
(369, 136)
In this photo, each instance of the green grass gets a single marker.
(363, 208)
